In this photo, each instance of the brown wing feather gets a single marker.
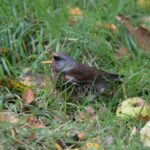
(85, 74)
(81, 73)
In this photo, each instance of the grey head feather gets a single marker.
(63, 62)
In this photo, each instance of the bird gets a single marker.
(86, 82)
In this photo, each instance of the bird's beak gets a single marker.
(52, 60)
(47, 62)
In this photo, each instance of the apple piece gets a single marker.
(145, 134)
(134, 107)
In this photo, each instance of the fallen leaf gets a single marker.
(33, 122)
(27, 81)
(143, 38)
(145, 134)
(13, 84)
(140, 34)
(92, 146)
(81, 115)
(38, 125)
(28, 96)
(81, 135)
(90, 111)
(109, 26)
(58, 147)
(8, 117)
(36, 80)
(87, 115)
(122, 52)
(76, 11)
(76, 135)
(76, 15)
(125, 21)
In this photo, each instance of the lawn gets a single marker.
(89, 32)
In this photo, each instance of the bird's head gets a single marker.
(63, 62)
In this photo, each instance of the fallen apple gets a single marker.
(145, 134)
(134, 107)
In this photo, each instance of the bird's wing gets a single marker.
(85, 74)
(82, 74)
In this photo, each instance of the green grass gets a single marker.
(30, 31)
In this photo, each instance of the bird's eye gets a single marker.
(56, 58)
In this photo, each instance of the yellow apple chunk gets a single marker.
(145, 134)
(133, 108)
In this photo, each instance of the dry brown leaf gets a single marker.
(8, 117)
(125, 21)
(76, 135)
(76, 15)
(140, 34)
(81, 135)
(33, 122)
(122, 52)
(143, 38)
(80, 116)
(86, 115)
(76, 11)
(28, 96)
(38, 125)
(36, 80)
